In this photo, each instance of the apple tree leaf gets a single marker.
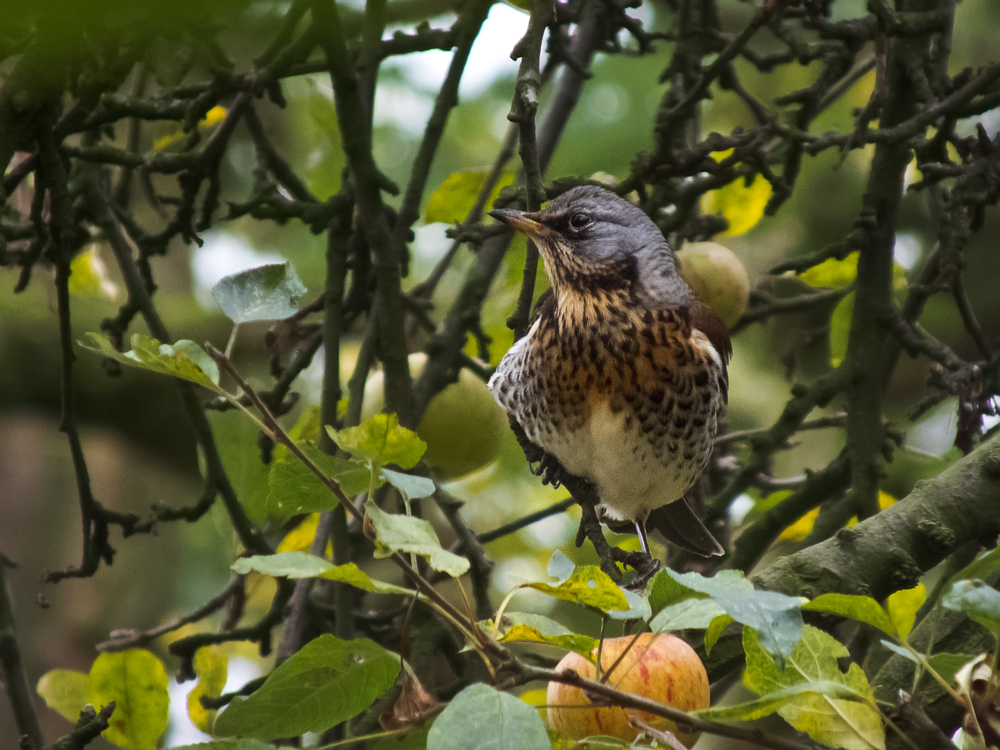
(268, 292)
(137, 682)
(484, 718)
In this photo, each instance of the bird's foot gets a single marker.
(644, 565)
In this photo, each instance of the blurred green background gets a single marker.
(138, 443)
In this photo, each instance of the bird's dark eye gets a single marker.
(579, 220)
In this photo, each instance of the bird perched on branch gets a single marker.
(622, 375)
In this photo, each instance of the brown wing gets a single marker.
(705, 319)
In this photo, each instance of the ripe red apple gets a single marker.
(660, 667)
(717, 277)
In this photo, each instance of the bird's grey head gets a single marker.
(589, 236)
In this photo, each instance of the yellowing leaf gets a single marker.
(212, 667)
(588, 585)
(64, 691)
(456, 196)
(848, 724)
(88, 277)
(381, 440)
(214, 116)
(832, 272)
(903, 605)
(300, 538)
(740, 204)
(802, 528)
(183, 359)
(525, 626)
(137, 682)
(840, 329)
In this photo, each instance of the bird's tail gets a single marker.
(679, 525)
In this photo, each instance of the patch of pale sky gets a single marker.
(180, 730)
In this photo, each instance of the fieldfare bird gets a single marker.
(622, 375)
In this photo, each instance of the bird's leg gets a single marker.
(640, 529)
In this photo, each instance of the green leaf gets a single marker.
(768, 704)
(560, 567)
(588, 585)
(415, 739)
(847, 724)
(382, 441)
(243, 743)
(64, 691)
(268, 292)
(776, 618)
(396, 533)
(184, 359)
(901, 651)
(902, 607)
(289, 564)
(840, 329)
(861, 608)
(714, 631)
(325, 683)
(88, 277)
(663, 591)
(456, 196)
(485, 718)
(689, 613)
(986, 564)
(638, 608)
(211, 664)
(236, 438)
(978, 600)
(947, 665)
(293, 488)
(524, 626)
(351, 574)
(411, 486)
(137, 682)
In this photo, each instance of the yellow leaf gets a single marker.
(212, 667)
(300, 538)
(903, 605)
(88, 277)
(832, 272)
(802, 528)
(214, 116)
(64, 691)
(740, 204)
(137, 682)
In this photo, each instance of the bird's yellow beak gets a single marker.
(520, 221)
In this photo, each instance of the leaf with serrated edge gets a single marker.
(351, 574)
(64, 691)
(484, 718)
(588, 585)
(861, 608)
(688, 613)
(137, 682)
(269, 292)
(524, 626)
(851, 725)
(184, 359)
(381, 440)
(776, 617)
(325, 683)
(396, 533)
(768, 704)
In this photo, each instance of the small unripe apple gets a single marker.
(660, 667)
(462, 426)
(717, 277)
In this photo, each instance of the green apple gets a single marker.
(717, 277)
(463, 425)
